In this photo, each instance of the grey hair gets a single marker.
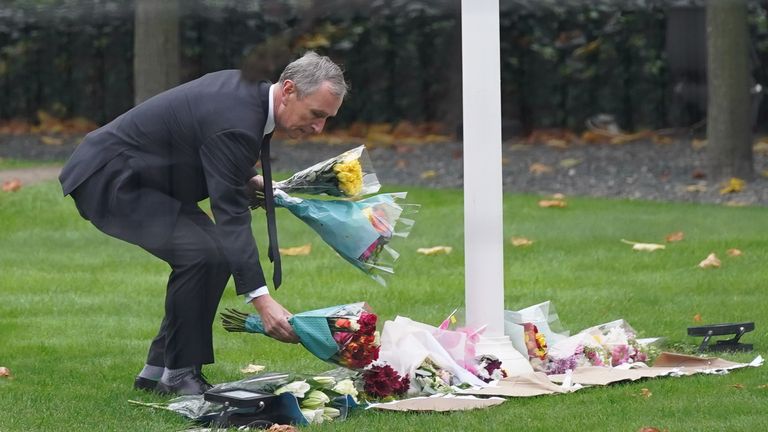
(310, 71)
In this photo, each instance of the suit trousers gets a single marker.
(116, 202)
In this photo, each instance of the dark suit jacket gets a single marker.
(198, 140)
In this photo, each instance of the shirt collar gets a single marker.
(269, 127)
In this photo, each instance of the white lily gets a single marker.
(296, 388)
(315, 400)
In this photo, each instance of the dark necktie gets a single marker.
(269, 207)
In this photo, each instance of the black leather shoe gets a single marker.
(190, 383)
(146, 384)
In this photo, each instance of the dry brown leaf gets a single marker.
(737, 203)
(675, 237)
(282, 428)
(47, 140)
(696, 188)
(649, 429)
(557, 143)
(5, 372)
(569, 163)
(435, 250)
(698, 144)
(710, 261)
(644, 247)
(521, 241)
(428, 174)
(646, 393)
(698, 174)
(11, 185)
(697, 317)
(733, 185)
(252, 368)
(761, 147)
(734, 252)
(553, 203)
(297, 250)
(738, 386)
(537, 168)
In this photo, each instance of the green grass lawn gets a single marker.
(8, 163)
(77, 310)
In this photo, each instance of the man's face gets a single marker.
(301, 117)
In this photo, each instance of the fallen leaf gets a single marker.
(282, 428)
(428, 174)
(697, 317)
(557, 143)
(521, 241)
(435, 250)
(710, 261)
(675, 237)
(51, 140)
(553, 203)
(11, 185)
(644, 392)
(537, 168)
(696, 188)
(252, 368)
(738, 386)
(569, 163)
(761, 147)
(737, 203)
(699, 174)
(733, 185)
(698, 144)
(649, 429)
(734, 252)
(297, 250)
(764, 386)
(5, 372)
(644, 247)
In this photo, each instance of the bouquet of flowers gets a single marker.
(344, 335)
(360, 231)
(610, 344)
(381, 381)
(347, 175)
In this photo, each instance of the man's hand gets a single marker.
(275, 319)
(256, 183)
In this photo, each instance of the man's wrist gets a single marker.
(260, 292)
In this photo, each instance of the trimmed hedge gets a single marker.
(560, 63)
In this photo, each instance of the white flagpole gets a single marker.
(483, 218)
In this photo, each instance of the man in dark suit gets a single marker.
(140, 177)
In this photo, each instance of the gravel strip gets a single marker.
(638, 170)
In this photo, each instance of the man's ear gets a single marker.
(288, 88)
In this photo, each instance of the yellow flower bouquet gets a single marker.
(348, 175)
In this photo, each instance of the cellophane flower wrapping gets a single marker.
(360, 231)
(344, 335)
(610, 345)
(348, 175)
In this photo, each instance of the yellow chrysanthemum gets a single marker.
(350, 177)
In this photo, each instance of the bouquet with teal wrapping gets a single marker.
(344, 335)
(348, 175)
(360, 231)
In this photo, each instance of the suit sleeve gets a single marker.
(227, 160)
